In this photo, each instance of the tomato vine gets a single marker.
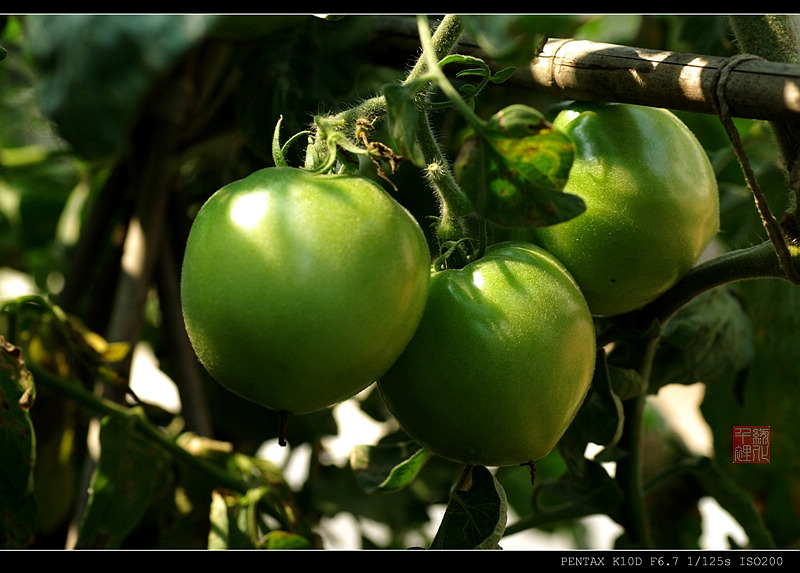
(508, 176)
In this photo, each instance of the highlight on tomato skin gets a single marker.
(299, 290)
(500, 363)
(652, 204)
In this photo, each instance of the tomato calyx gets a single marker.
(458, 253)
(455, 255)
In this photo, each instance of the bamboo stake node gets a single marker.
(593, 71)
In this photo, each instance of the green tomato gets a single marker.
(300, 290)
(652, 204)
(500, 363)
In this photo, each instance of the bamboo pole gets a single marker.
(592, 71)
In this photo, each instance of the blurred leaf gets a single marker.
(332, 490)
(709, 338)
(592, 490)
(387, 468)
(243, 27)
(17, 450)
(475, 518)
(297, 70)
(237, 522)
(95, 70)
(284, 540)
(129, 471)
(35, 186)
(228, 522)
(672, 503)
(767, 393)
(510, 38)
(60, 447)
(515, 168)
(620, 29)
(625, 382)
(735, 501)
(599, 419)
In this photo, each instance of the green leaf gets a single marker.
(481, 70)
(710, 337)
(600, 418)
(387, 468)
(475, 518)
(96, 70)
(735, 501)
(508, 37)
(236, 523)
(17, 450)
(591, 490)
(402, 115)
(514, 170)
(766, 393)
(228, 517)
(129, 471)
(625, 382)
(259, 517)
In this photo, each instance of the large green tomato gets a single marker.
(298, 291)
(652, 204)
(500, 363)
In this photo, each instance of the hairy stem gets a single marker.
(444, 39)
(454, 205)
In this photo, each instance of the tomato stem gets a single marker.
(283, 422)
(630, 469)
(757, 262)
(444, 38)
(454, 205)
(464, 482)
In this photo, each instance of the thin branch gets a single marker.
(188, 376)
(771, 224)
(103, 407)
